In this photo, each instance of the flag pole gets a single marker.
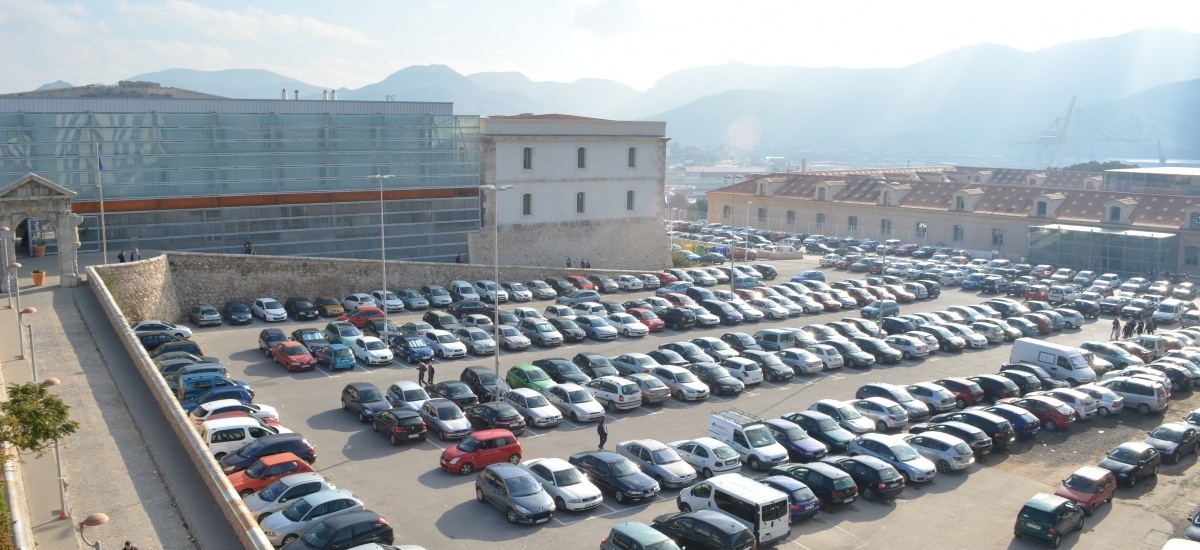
(100, 181)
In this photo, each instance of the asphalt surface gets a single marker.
(973, 509)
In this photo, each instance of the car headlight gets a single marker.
(454, 460)
(269, 533)
(520, 509)
(576, 501)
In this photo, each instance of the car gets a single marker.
(800, 446)
(708, 456)
(802, 501)
(444, 344)
(1131, 462)
(268, 309)
(178, 331)
(594, 364)
(399, 425)
(266, 471)
(363, 530)
(265, 446)
(996, 387)
(476, 340)
(237, 312)
(301, 308)
(893, 450)
(1088, 487)
(1048, 518)
(310, 338)
(616, 474)
(216, 393)
(832, 485)
(405, 394)
(705, 529)
(490, 292)
(372, 351)
(626, 324)
(1048, 382)
(999, 429)
(227, 406)
(561, 370)
(966, 392)
(335, 356)
(444, 418)
(574, 401)
(570, 331)
(268, 338)
(615, 393)
(653, 391)
(629, 282)
(822, 428)
(681, 382)
(1025, 423)
(534, 408)
(947, 452)
(885, 413)
(630, 363)
(293, 356)
(153, 339)
(381, 328)
(569, 487)
(975, 438)
(203, 315)
(528, 376)
(1053, 414)
(875, 478)
(659, 461)
(341, 332)
(937, 398)
(596, 327)
(481, 448)
(717, 378)
(540, 331)
(283, 527)
(411, 348)
(360, 316)
(280, 493)
(845, 415)
(457, 391)
(364, 400)
(1174, 440)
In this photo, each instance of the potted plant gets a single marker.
(39, 277)
(39, 248)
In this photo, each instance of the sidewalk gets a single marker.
(107, 465)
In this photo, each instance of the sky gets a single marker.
(352, 43)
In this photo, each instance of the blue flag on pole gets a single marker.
(99, 158)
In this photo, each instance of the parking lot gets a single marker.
(975, 509)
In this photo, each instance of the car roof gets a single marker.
(297, 479)
(1045, 502)
(343, 520)
(223, 423)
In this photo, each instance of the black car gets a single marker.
(300, 308)
(379, 328)
(266, 446)
(947, 341)
(1174, 440)
(268, 337)
(562, 287)
(562, 371)
(999, 429)
(1048, 382)
(852, 355)
(1132, 462)
(346, 531)
(1112, 305)
(364, 400)
(768, 271)
(482, 381)
(740, 341)
(974, 437)
(153, 338)
(689, 351)
(616, 474)
(399, 425)
(1025, 381)
(667, 357)
(441, 320)
(831, 484)
(179, 345)
(822, 428)
(453, 390)
(568, 329)
(724, 311)
(934, 288)
(467, 307)
(312, 338)
(705, 529)
(996, 387)
(717, 378)
(883, 353)
(897, 325)
(847, 329)
(1087, 308)
(488, 416)
(875, 478)
(594, 365)
(237, 312)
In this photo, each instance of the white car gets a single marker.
(720, 276)
(359, 299)
(444, 344)
(683, 384)
(292, 522)
(517, 291)
(649, 282)
(538, 412)
(1107, 401)
(769, 309)
(219, 406)
(477, 340)
(828, 355)
(708, 456)
(948, 453)
(511, 339)
(937, 398)
(569, 487)
(371, 350)
(178, 330)
(908, 345)
(527, 313)
(387, 301)
(630, 282)
(785, 302)
(746, 370)
(560, 311)
(830, 260)
(615, 393)
(628, 325)
(268, 309)
(801, 361)
(574, 401)
(490, 292)
(701, 277)
(974, 339)
(930, 340)
(885, 413)
(967, 313)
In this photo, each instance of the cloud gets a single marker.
(608, 18)
(253, 24)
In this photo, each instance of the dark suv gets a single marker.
(678, 318)
(351, 530)
(999, 429)
(996, 387)
(441, 320)
(266, 446)
(300, 308)
(830, 483)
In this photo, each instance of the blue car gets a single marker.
(809, 275)
(972, 282)
(800, 446)
(1023, 422)
(224, 392)
(411, 348)
(803, 503)
(335, 356)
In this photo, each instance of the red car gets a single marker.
(826, 301)
(1044, 324)
(265, 471)
(1141, 352)
(847, 261)
(580, 282)
(902, 296)
(360, 316)
(665, 278)
(743, 254)
(905, 250)
(747, 294)
(1089, 486)
(1041, 270)
(861, 295)
(1052, 413)
(1037, 293)
(480, 449)
(680, 300)
(966, 393)
(648, 318)
(293, 355)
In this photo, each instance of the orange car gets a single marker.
(266, 470)
(293, 356)
(581, 282)
(360, 316)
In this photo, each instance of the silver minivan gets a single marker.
(1147, 396)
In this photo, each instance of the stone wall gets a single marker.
(165, 287)
(635, 244)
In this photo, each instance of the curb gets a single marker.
(14, 491)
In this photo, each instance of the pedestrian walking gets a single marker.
(422, 368)
(1116, 330)
(1128, 329)
(1151, 325)
(1139, 328)
(248, 247)
(568, 261)
(429, 364)
(121, 257)
(135, 255)
(602, 431)
(129, 546)
(458, 259)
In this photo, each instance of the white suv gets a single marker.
(615, 393)
(490, 292)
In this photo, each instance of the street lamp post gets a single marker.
(496, 189)
(15, 280)
(4, 245)
(32, 350)
(62, 482)
(746, 241)
(387, 336)
(93, 520)
(887, 209)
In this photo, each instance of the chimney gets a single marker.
(297, 95)
(332, 95)
(283, 94)
(324, 95)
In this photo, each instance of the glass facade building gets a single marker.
(1103, 250)
(293, 177)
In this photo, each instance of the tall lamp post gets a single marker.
(15, 280)
(387, 335)
(32, 350)
(93, 520)
(887, 209)
(746, 233)
(62, 482)
(4, 245)
(496, 189)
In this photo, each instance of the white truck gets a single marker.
(746, 434)
(1066, 363)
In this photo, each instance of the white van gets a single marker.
(1171, 310)
(462, 290)
(1062, 293)
(1062, 362)
(745, 433)
(226, 435)
(762, 509)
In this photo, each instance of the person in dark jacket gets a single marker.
(121, 257)
(602, 431)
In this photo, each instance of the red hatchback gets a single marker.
(293, 356)
(480, 449)
(360, 316)
(1089, 486)
(648, 318)
(826, 301)
(1052, 413)
(665, 278)
(580, 282)
(966, 393)
(1044, 324)
(903, 296)
(1037, 292)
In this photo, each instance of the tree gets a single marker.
(1095, 166)
(33, 418)
(702, 205)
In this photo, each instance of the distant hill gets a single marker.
(236, 83)
(56, 85)
(1168, 114)
(125, 88)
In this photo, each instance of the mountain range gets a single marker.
(1132, 94)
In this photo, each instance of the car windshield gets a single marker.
(342, 352)
(522, 486)
(415, 343)
(296, 511)
(438, 292)
(479, 335)
(295, 350)
(904, 453)
(509, 331)
(719, 345)
(1121, 454)
(579, 396)
(272, 491)
(319, 536)
(568, 477)
(622, 468)
(1163, 432)
(375, 345)
(370, 395)
(250, 449)
(759, 437)
(311, 336)
(468, 445)
(208, 311)
(685, 377)
(535, 401)
(449, 412)
(1080, 483)
(505, 412)
(826, 424)
(795, 434)
(536, 375)
(348, 331)
(239, 308)
(543, 327)
(445, 339)
(848, 412)
(415, 395)
(256, 470)
(665, 456)
(271, 304)
(598, 322)
(411, 294)
(567, 324)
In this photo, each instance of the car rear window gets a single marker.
(1036, 515)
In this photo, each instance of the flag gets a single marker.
(99, 158)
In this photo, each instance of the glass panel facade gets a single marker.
(1124, 252)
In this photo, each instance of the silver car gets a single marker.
(406, 394)
(574, 401)
(537, 329)
(282, 492)
(596, 327)
(538, 412)
(511, 339)
(412, 299)
(658, 461)
(683, 384)
(445, 419)
(709, 456)
(517, 291)
(292, 522)
(564, 482)
(948, 453)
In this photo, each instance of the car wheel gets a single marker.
(880, 426)
(620, 497)
(960, 403)
(1154, 472)
(441, 354)
(754, 463)
(611, 406)
(1102, 411)
(219, 456)
(288, 539)
(514, 459)
(1089, 510)
(907, 355)
(442, 435)
(868, 494)
(261, 517)
(943, 466)
(245, 493)
(706, 473)
(362, 417)
(479, 494)
(574, 416)
(560, 504)
(1056, 541)
(392, 439)
(679, 395)
(685, 507)
(1143, 408)
(466, 469)
(345, 406)
(375, 427)
(1049, 425)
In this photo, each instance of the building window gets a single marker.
(527, 158)
(960, 204)
(762, 214)
(1032, 182)
(762, 189)
(633, 157)
(1041, 209)
(791, 217)
(977, 178)
(726, 211)
(581, 157)
(958, 233)
(629, 200)
(1114, 214)
(922, 229)
(527, 204)
(579, 202)
(852, 223)
(1194, 220)
(820, 221)
(820, 193)
(885, 227)
(997, 238)
(1191, 256)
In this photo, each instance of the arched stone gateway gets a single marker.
(33, 197)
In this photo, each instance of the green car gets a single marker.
(528, 376)
(1047, 518)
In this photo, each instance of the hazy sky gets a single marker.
(351, 43)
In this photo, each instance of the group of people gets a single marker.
(133, 256)
(1132, 327)
(583, 263)
(425, 372)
